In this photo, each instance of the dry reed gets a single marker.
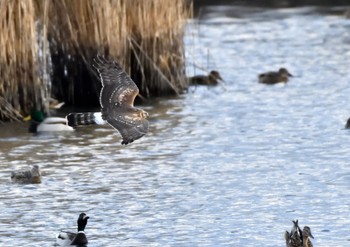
(22, 85)
(46, 40)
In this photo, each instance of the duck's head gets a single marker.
(35, 115)
(215, 75)
(35, 170)
(82, 221)
(36, 175)
(35, 118)
(307, 232)
(284, 71)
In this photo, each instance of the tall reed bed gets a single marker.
(21, 83)
(48, 46)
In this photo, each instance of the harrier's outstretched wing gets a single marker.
(117, 86)
(117, 102)
(130, 131)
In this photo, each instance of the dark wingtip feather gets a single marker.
(126, 141)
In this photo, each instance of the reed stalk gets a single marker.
(48, 46)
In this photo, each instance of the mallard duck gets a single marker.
(347, 125)
(70, 238)
(211, 79)
(294, 238)
(298, 238)
(273, 77)
(306, 237)
(40, 123)
(27, 176)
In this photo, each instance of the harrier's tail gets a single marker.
(85, 118)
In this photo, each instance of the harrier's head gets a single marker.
(143, 114)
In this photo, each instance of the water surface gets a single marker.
(230, 165)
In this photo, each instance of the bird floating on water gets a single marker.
(117, 103)
(32, 176)
(40, 123)
(210, 80)
(65, 238)
(273, 77)
(298, 238)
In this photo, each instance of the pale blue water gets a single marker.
(224, 166)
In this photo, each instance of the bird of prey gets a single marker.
(117, 103)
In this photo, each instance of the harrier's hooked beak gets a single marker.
(144, 114)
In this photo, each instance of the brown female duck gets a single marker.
(210, 80)
(273, 77)
(32, 176)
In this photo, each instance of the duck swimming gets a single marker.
(32, 176)
(71, 238)
(298, 238)
(273, 77)
(40, 123)
(210, 80)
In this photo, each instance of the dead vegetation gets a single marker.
(48, 45)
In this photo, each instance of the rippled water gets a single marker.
(224, 166)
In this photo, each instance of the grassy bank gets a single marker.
(48, 46)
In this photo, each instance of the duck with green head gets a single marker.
(40, 123)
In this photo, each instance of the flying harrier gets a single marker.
(117, 103)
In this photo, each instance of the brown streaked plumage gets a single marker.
(298, 238)
(27, 176)
(306, 237)
(294, 238)
(117, 103)
(210, 80)
(273, 77)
